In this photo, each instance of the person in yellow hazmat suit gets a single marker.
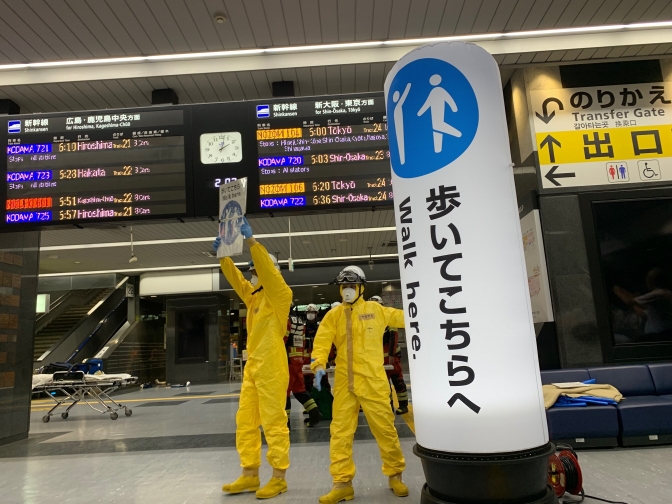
(266, 377)
(356, 327)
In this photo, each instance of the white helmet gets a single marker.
(335, 304)
(377, 299)
(273, 258)
(351, 275)
(311, 308)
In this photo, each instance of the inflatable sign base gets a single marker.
(427, 498)
(463, 478)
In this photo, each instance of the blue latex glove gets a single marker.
(217, 243)
(245, 229)
(589, 382)
(319, 374)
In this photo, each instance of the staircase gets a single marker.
(55, 330)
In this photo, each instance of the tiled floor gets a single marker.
(178, 447)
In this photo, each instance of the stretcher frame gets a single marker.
(79, 389)
(331, 370)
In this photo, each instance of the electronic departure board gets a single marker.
(299, 154)
(92, 166)
(323, 152)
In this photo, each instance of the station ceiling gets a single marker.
(71, 32)
(38, 31)
(47, 30)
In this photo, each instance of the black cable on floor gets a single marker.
(572, 479)
(604, 500)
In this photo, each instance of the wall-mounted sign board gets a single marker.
(299, 154)
(604, 136)
(84, 167)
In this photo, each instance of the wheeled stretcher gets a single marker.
(306, 369)
(76, 386)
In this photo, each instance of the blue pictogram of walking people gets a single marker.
(432, 117)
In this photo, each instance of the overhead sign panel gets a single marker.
(83, 166)
(299, 154)
(324, 152)
(605, 135)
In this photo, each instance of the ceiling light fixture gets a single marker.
(208, 239)
(210, 266)
(344, 46)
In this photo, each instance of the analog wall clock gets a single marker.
(225, 147)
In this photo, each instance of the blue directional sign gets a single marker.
(432, 117)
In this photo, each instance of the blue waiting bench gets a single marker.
(643, 417)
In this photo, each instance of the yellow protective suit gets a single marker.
(357, 331)
(266, 376)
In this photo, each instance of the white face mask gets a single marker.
(311, 316)
(349, 294)
(254, 280)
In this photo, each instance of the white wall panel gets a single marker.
(183, 282)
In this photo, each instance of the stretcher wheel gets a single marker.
(65, 415)
(46, 418)
(128, 412)
(114, 415)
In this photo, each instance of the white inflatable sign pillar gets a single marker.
(477, 397)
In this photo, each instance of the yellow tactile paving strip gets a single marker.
(47, 404)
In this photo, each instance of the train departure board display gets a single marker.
(92, 166)
(323, 152)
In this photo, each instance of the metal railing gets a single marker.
(72, 344)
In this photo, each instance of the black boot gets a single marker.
(403, 408)
(314, 418)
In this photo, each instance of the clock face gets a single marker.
(221, 148)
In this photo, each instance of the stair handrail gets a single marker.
(95, 330)
(89, 313)
(53, 305)
(46, 318)
(95, 307)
